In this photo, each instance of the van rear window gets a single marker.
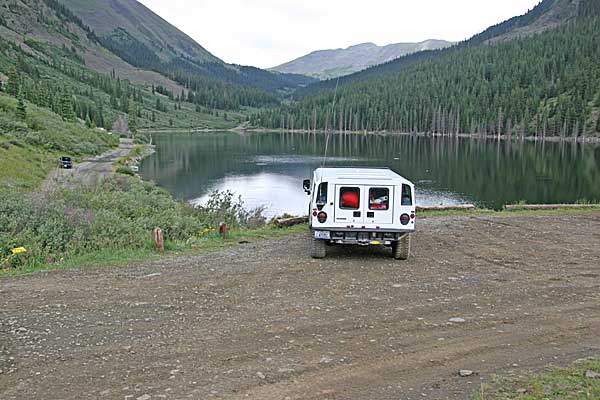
(350, 198)
(322, 193)
(407, 198)
(379, 199)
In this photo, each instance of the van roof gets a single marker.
(371, 173)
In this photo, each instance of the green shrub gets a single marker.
(119, 213)
(223, 207)
(125, 171)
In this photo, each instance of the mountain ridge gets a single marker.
(331, 63)
(142, 23)
(563, 10)
(535, 74)
(147, 41)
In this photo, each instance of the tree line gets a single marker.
(548, 84)
(215, 85)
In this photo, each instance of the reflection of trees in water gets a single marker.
(490, 171)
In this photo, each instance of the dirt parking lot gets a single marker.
(264, 321)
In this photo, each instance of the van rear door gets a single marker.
(379, 205)
(349, 204)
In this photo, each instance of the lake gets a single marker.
(267, 169)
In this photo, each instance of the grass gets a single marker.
(30, 149)
(137, 152)
(507, 213)
(188, 118)
(553, 384)
(212, 242)
(125, 257)
(23, 166)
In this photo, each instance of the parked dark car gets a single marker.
(65, 162)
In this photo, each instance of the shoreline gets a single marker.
(503, 138)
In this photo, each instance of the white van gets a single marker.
(360, 206)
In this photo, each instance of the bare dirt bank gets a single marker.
(264, 321)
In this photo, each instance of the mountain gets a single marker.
(114, 18)
(137, 35)
(326, 64)
(50, 22)
(537, 74)
(51, 59)
(546, 15)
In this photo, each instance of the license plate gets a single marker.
(322, 235)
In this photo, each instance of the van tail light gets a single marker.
(322, 217)
(404, 219)
(412, 215)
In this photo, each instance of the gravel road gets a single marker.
(89, 172)
(491, 294)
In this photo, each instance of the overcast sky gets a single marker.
(266, 33)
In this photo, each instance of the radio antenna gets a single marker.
(327, 131)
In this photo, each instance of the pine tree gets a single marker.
(66, 107)
(21, 112)
(133, 115)
(99, 116)
(12, 86)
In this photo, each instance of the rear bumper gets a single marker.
(365, 236)
(370, 230)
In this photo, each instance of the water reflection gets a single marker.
(267, 169)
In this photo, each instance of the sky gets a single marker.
(266, 33)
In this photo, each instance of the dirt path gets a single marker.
(90, 171)
(264, 321)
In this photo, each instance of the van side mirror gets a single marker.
(306, 185)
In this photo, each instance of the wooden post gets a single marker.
(223, 230)
(159, 242)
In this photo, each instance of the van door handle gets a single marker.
(371, 214)
(356, 214)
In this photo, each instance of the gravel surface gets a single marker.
(89, 172)
(481, 295)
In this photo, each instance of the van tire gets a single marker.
(401, 248)
(317, 249)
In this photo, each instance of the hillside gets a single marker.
(58, 62)
(548, 14)
(166, 41)
(543, 85)
(48, 22)
(30, 146)
(326, 64)
(143, 39)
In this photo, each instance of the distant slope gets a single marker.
(166, 41)
(47, 21)
(142, 38)
(546, 15)
(546, 84)
(325, 64)
(51, 59)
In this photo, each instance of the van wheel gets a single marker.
(401, 248)
(317, 248)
